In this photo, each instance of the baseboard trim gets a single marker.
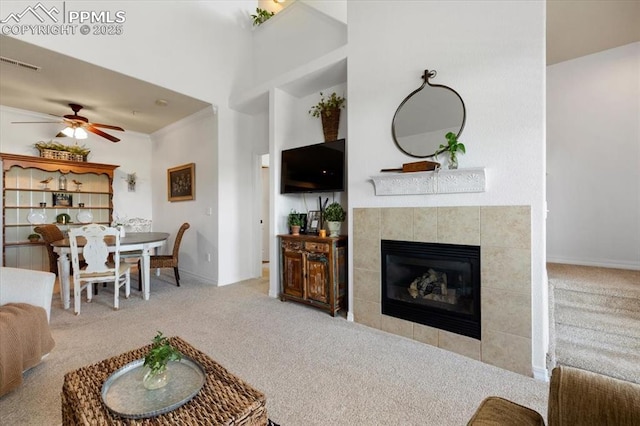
(597, 263)
(540, 373)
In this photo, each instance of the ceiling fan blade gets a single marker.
(107, 126)
(101, 133)
(35, 122)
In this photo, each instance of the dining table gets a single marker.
(144, 242)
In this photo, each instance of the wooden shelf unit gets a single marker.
(22, 193)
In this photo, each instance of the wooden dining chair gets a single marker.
(166, 261)
(98, 269)
(50, 233)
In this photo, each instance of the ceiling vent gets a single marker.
(19, 63)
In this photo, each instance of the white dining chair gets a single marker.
(134, 224)
(137, 224)
(98, 269)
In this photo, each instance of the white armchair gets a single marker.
(25, 311)
(26, 286)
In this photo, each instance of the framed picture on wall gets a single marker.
(314, 221)
(181, 182)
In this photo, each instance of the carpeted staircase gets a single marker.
(596, 319)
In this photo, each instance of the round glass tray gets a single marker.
(125, 396)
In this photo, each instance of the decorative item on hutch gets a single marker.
(62, 182)
(57, 151)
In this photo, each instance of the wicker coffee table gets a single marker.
(223, 400)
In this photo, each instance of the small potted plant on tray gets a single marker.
(156, 361)
(334, 215)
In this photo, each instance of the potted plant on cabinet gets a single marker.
(452, 147)
(334, 215)
(328, 109)
(295, 222)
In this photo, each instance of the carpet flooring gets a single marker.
(314, 369)
(596, 319)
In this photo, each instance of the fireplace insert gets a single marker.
(432, 284)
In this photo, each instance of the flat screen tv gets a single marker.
(314, 168)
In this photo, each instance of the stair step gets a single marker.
(613, 355)
(623, 324)
(596, 319)
(596, 340)
(623, 305)
(629, 287)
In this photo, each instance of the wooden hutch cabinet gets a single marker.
(314, 271)
(23, 191)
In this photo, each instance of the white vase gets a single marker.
(334, 228)
(122, 232)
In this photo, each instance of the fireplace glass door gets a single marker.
(432, 284)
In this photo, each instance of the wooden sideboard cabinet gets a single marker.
(313, 271)
(24, 189)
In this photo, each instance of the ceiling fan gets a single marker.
(78, 126)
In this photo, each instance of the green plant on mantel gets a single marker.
(327, 105)
(57, 146)
(261, 16)
(452, 147)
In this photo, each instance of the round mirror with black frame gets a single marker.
(423, 119)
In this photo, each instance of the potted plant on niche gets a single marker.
(261, 16)
(156, 361)
(334, 215)
(452, 147)
(328, 109)
(295, 222)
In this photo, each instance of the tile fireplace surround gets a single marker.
(504, 236)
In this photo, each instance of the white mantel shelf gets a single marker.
(436, 182)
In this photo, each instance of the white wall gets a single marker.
(493, 54)
(132, 154)
(295, 127)
(593, 159)
(307, 35)
(200, 49)
(197, 138)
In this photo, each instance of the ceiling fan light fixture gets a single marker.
(77, 133)
(80, 133)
